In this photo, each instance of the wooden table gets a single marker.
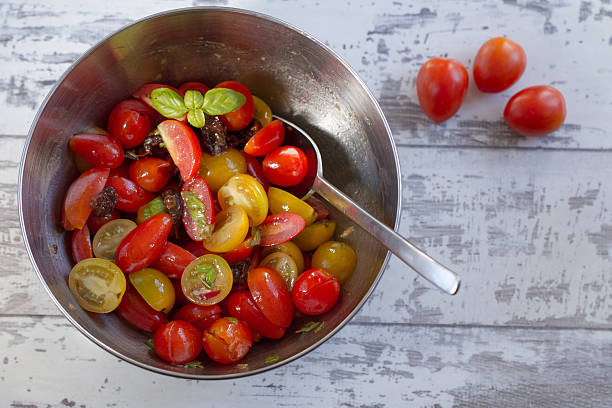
(525, 221)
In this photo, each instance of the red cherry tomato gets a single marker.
(121, 171)
(254, 169)
(99, 150)
(179, 296)
(178, 342)
(227, 340)
(499, 63)
(200, 316)
(151, 173)
(144, 244)
(137, 312)
(81, 244)
(196, 248)
(320, 208)
(192, 86)
(140, 107)
(285, 166)
(143, 93)
(94, 223)
(441, 87)
(128, 126)
(271, 295)
(240, 118)
(304, 186)
(267, 139)
(77, 203)
(130, 196)
(281, 227)
(535, 111)
(173, 260)
(239, 253)
(242, 306)
(315, 291)
(194, 227)
(183, 146)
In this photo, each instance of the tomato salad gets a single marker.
(181, 225)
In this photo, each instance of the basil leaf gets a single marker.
(207, 274)
(308, 327)
(319, 327)
(193, 100)
(153, 207)
(219, 101)
(196, 118)
(168, 103)
(149, 344)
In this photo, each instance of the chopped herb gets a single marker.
(255, 237)
(319, 327)
(149, 344)
(309, 326)
(242, 366)
(232, 319)
(207, 274)
(194, 364)
(271, 359)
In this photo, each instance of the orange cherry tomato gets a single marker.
(227, 340)
(151, 173)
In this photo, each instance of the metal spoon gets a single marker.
(419, 261)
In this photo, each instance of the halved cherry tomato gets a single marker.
(246, 192)
(207, 280)
(130, 196)
(283, 264)
(279, 228)
(196, 248)
(99, 150)
(242, 306)
(535, 111)
(97, 285)
(315, 234)
(227, 340)
(143, 245)
(77, 203)
(193, 86)
(271, 295)
(128, 126)
(231, 228)
(267, 139)
(173, 260)
(261, 111)
(315, 291)
(143, 93)
(177, 342)
(81, 244)
(441, 86)
(499, 63)
(138, 313)
(217, 169)
(151, 173)
(200, 316)
(95, 223)
(183, 146)
(290, 249)
(198, 209)
(240, 118)
(239, 253)
(286, 166)
(281, 201)
(337, 258)
(320, 209)
(109, 236)
(254, 169)
(155, 288)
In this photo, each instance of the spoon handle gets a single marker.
(423, 264)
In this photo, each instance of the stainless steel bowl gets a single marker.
(300, 78)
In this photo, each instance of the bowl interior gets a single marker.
(300, 80)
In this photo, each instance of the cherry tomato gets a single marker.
(307, 261)
(81, 244)
(290, 249)
(315, 291)
(499, 63)
(99, 150)
(121, 171)
(207, 280)
(198, 209)
(271, 295)
(254, 169)
(314, 235)
(283, 264)
(242, 306)
(143, 245)
(155, 288)
(130, 196)
(200, 316)
(180, 298)
(281, 201)
(177, 342)
(535, 111)
(151, 173)
(80, 163)
(153, 207)
(227, 340)
(266, 140)
(246, 192)
(217, 169)
(95, 223)
(285, 166)
(321, 209)
(239, 253)
(261, 111)
(140, 107)
(441, 86)
(305, 185)
(109, 236)
(192, 86)
(138, 313)
(173, 260)
(77, 203)
(128, 126)
(337, 258)
(196, 248)
(240, 118)
(183, 146)
(279, 228)
(97, 285)
(143, 93)
(231, 228)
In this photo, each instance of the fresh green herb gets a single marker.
(219, 101)
(207, 273)
(316, 326)
(149, 343)
(196, 118)
(193, 100)
(255, 237)
(197, 210)
(232, 319)
(194, 364)
(153, 207)
(271, 359)
(168, 102)
(319, 327)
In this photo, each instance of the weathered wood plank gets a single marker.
(363, 365)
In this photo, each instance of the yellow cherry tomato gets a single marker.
(98, 285)
(231, 228)
(109, 236)
(283, 264)
(261, 111)
(155, 288)
(315, 234)
(282, 201)
(290, 249)
(207, 280)
(216, 170)
(337, 258)
(246, 192)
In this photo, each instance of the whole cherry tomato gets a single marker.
(240, 118)
(271, 295)
(535, 111)
(441, 86)
(266, 140)
(285, 166)
(315, 291)
(128, 126)
(242, 306)
(81, 244)
(183, 146)
(192, 86)
(254, 169)
(99, 150)
(279, 228)
(227, 340)
(144, 244)
(177, 342)
(200, 316)
(77, 202)
(137, 312)
(499, 63)
(94, 223)
(173, 260)
(130, 196)
(151, 173)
